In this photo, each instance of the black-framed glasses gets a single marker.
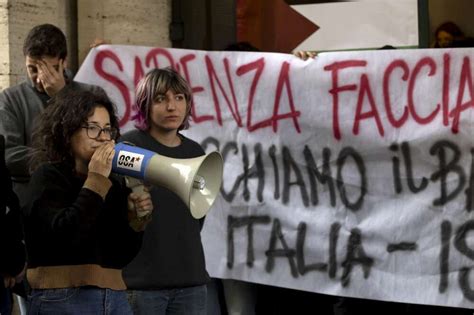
(94, 131)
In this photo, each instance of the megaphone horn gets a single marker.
(196, 181)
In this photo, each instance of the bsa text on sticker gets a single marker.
(129, 160)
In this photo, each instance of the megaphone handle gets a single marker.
(137, 187)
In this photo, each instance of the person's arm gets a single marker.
(11, 229)
(13, 248)
(124, 233)
(59, 214)
(13, 262)
(12, 126)
(62, 215)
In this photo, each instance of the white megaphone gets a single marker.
(196, 181)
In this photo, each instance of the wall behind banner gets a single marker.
(123, 22)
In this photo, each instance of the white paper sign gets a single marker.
(351, 174)
(361, 24)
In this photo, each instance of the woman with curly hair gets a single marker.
(82, 224)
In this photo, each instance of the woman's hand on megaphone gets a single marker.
(140, 208)
(101, 160)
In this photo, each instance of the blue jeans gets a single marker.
(80, 301)
(183, 301)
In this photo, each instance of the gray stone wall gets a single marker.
(125, 22)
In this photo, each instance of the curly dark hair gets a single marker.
(241, 46)
(45, 40)
(66, 112)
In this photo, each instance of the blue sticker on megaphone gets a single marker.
(130, 160)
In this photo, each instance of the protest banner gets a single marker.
(351, 174)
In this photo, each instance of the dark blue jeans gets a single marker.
(79, 301)
(183, 301)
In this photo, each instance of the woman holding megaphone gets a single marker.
(82, 224)
(168, 276)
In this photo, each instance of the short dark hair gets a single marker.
(451, 28)
(386, 47)
(157, 82)
(66, 113)
(241, 46)
(45, 40)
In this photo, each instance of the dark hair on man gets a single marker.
(66, 113)
(158, 82)
(387, 47)
(241, 46)
(45, 40)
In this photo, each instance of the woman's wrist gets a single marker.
(139, 222)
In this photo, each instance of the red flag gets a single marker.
(272, 25)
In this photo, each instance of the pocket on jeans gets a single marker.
(58, 295)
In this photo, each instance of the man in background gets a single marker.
(45, 51)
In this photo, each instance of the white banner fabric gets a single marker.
(350, 174)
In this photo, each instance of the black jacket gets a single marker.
(172, 255)
(11, 231)
(67, 225)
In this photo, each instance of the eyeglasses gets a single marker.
(94, 131)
